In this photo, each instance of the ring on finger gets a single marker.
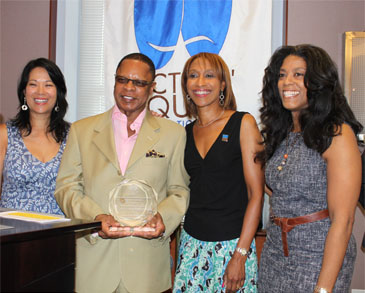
(132, 230)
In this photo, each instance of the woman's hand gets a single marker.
(234, 276)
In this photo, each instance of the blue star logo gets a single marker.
(203, 26)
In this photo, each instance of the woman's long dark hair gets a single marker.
(327, 106)
(57, 125)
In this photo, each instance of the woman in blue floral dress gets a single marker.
(31, 144)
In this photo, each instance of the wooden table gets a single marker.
(40, 257)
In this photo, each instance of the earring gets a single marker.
(221, 99)
(25, 106)
(57, 108)
(188, 98)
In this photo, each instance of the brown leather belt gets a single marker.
(286, 224)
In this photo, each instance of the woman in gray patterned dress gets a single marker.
(313, 173)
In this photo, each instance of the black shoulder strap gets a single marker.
(235, 119)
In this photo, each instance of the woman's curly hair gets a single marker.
(327, 106)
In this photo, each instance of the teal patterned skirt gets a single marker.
(201, 265)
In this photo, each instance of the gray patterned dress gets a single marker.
(298, 189)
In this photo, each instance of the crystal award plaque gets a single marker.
(133, 202)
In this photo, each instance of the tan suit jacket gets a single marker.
(89, 170)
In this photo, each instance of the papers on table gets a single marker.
(33, 217)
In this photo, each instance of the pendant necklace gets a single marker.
(287, 150)
(210, 122)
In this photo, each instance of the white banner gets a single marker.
(170, 31)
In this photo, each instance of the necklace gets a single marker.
(210, 122)
(287, 151)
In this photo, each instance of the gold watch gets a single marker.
(242, 251)
(318, 289)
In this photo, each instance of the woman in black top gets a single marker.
(217, 249)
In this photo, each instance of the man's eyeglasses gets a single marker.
(136, 82)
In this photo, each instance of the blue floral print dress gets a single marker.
(28, 184)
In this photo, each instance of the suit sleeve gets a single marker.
(174, 206)
(69, 193)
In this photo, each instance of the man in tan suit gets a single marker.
(124, 142)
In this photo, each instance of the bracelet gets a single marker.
(242, 251)
(318, 289)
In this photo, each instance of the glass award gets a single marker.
(133, 202)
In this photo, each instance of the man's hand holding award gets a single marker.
(133, 204)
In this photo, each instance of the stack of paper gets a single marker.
(33, 217)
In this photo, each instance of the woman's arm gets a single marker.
(3, 147)
(343, 189)
(250, 139)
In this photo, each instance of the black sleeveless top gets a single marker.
(218, 193)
